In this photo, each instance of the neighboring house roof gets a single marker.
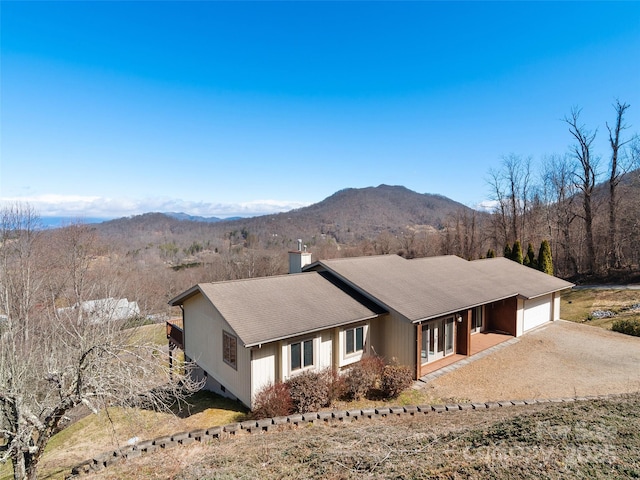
(262, 310)
(105, 309)
(426, 288)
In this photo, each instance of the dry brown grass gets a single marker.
(95, 434)
(577, 305)
(596, 439)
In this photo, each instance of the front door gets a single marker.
(437, 339)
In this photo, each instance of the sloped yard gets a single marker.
(562, 359)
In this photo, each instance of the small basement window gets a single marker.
(230, 349)
(354, 340)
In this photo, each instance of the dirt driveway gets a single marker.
(562, 359)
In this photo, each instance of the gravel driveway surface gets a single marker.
(561, 359)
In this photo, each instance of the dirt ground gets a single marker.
(562, 359)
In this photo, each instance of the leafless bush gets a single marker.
(395, 379)
(363, 377)
(309, 391)
(272, 400)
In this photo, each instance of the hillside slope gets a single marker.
(348, 215)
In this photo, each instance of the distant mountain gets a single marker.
(196, 218)
(348, 215)
(57, 222)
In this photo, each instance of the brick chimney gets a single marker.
(299, 258)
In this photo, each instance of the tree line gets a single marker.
(592, 227)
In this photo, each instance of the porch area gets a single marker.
(175, 334)
(480, 342)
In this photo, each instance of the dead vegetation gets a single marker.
(585, 305)
(587, 439)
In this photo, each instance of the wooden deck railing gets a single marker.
(175, 335)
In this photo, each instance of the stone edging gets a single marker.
(109, 458)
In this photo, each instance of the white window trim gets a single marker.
(315, 346)
(349, 358)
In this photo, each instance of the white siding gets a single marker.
(520, 317)
(537, 311)
(325, 357)
(203, 327)
(263, 367)
(556, 306)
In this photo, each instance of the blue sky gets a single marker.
(239, 108)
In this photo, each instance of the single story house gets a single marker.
(425, 313)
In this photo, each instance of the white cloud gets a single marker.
(101, 207)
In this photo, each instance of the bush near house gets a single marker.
(395, 380)
(272, 400)
(363, 377)
(311, 391)
(627, 326)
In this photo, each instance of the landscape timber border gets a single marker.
(264, 425)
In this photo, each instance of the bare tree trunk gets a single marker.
(613, 247)
(587, 179)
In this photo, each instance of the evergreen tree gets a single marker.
(507, 251)
(516, 252)
(491, 253)
(530, 257)
(545, 261)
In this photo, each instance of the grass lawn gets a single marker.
(95, 434)
(578, 305)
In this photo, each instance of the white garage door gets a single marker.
(537, 311)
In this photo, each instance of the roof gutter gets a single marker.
(466, 307)
(307, 332)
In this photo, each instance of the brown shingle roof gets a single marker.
(509, 275)
(429, 287)
(267, 309)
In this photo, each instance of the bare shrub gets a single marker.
(363, 377)
(272, 400)
(335, 384)
(309, 391)
(395, 379)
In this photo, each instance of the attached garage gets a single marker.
(537, 311)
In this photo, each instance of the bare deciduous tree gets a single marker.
(617, 168)
(54, 358)
(586, 176)
(560, 188)
(510, 188)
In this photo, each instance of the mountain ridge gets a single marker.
(347, 215)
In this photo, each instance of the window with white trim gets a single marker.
(354, 340)
(301, 354)
(230, 349)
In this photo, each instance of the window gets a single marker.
(476, 320)
(229, 349)
(301, 354)
(354, 340)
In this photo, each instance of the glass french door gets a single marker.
(437, 339)
(476, 320)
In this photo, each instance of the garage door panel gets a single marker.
(537, 311)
